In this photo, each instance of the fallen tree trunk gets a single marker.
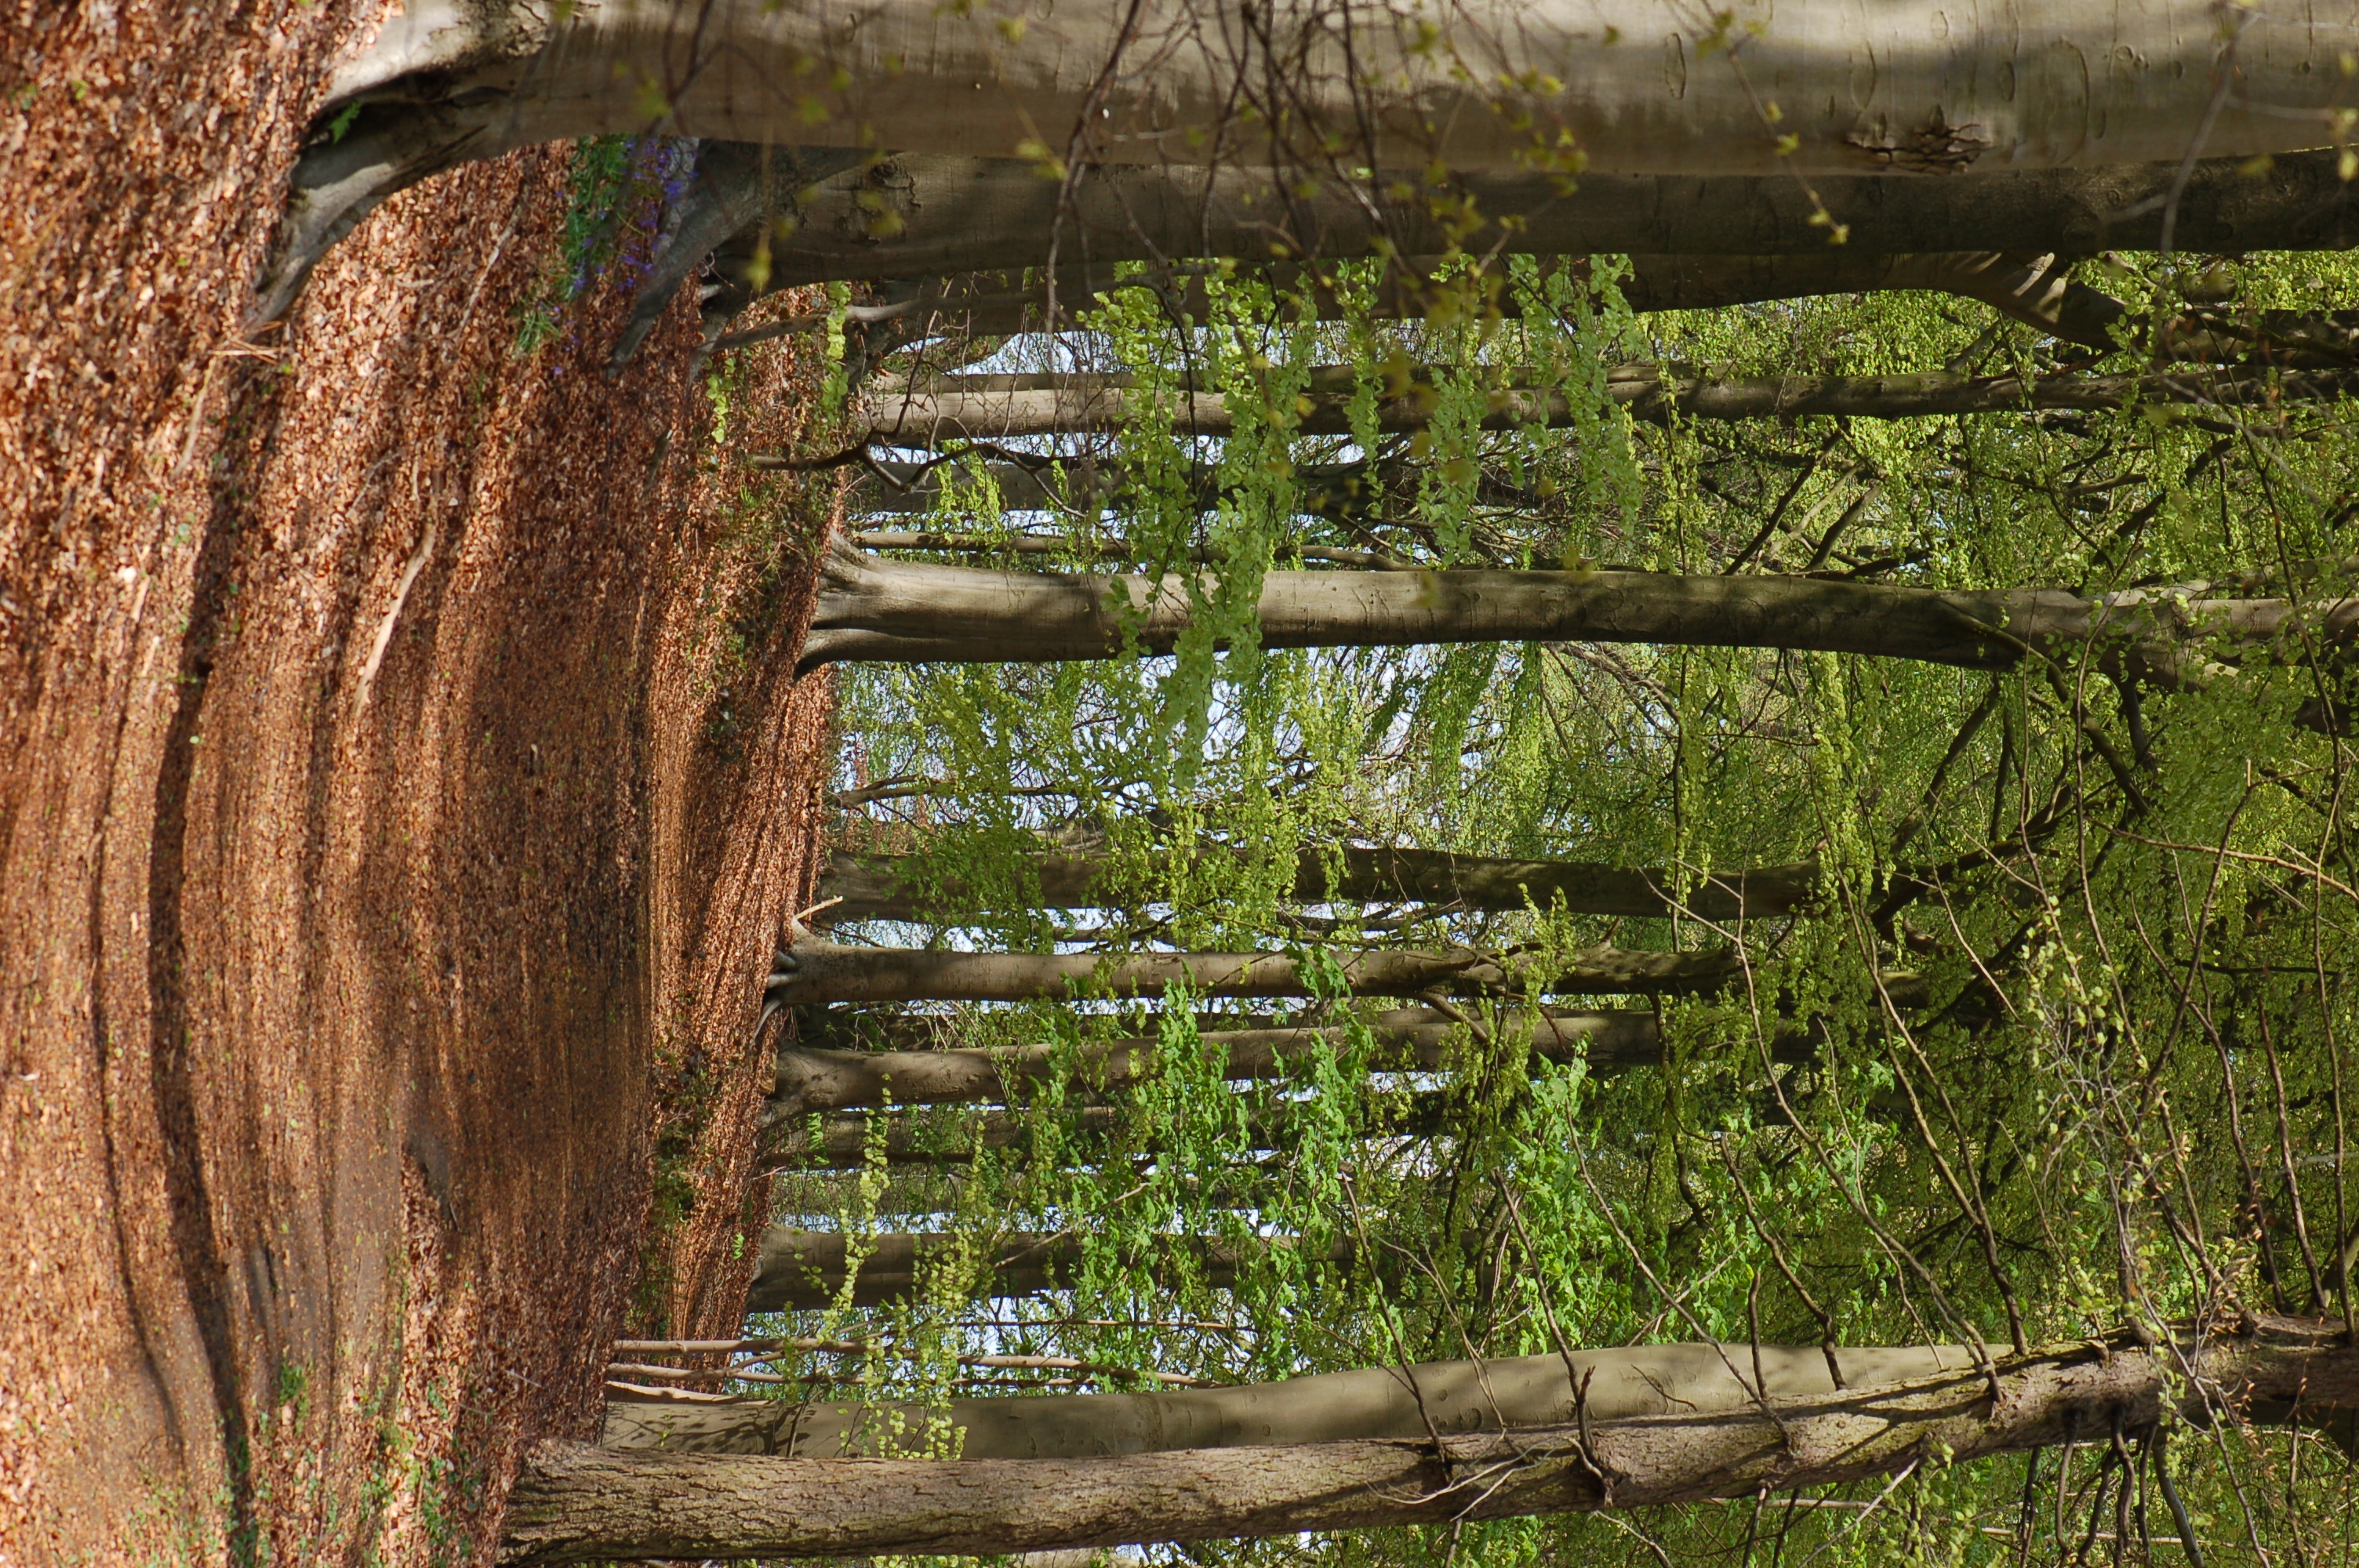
(577, 1503)
(896, 611)
(828, 973)
(873, 887)
(1456, 1397)
(950, 410)
(807, 1269)
(812, 1080)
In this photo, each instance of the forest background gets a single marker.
(2032, 1034)
(2018, 1057)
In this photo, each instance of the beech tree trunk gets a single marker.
(1375, 1404)
(827, 972)
(2033, 289)
(932, 542)
(917, 215)
(1904, 85)
(577, 1503)
(978, 407)
(850, 1140)
(1606, 86)
(812, 1080)
(872, 887)
(1092, 484)
(895, 611)
(2036, 291)
(806, 1269)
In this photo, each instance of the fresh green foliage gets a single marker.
(612, 178)
(2058, 1048)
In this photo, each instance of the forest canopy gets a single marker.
(1194, 1011)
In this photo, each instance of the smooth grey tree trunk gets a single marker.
(807, 1269)
(850, 1091)
(851, 1141)
(933, 543)
(954, 409)
(922, 216)
(916, 216)
(908, 612)
(830, 972)
(1908, 86)
(2033, 289)
(1456, 1397)
(2036, 291)
(873, 886)
(810, 1080)
(1094, 482)
(579, 1503)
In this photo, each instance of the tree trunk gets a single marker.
(1094, 482)
(1608, 88)
(826, 972)
(923, 216)
(1373, 1404)
(578, 1503)
(874, 1030)
(989, 408)
(806, 1269)
(920, 215)
(1048, 544)
(1409, 1038)
(850, 1140)
(872, 888)
(895, 611)
(2033, 290)
(1905, 86)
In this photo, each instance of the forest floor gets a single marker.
(402, 783)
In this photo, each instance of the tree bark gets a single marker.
(1045, 544)
(1092, 482)
(1905, 86)
(916, 613)
(827, 972)
(849, 1140)
(578, 1503)
(2036, 291)
(872, 887)
(806, 1269)
(1374, 1404)
(988, 409)
(920, 215)
(1408, 1038)
(2033, 289)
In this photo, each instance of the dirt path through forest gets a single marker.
(401, 782)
